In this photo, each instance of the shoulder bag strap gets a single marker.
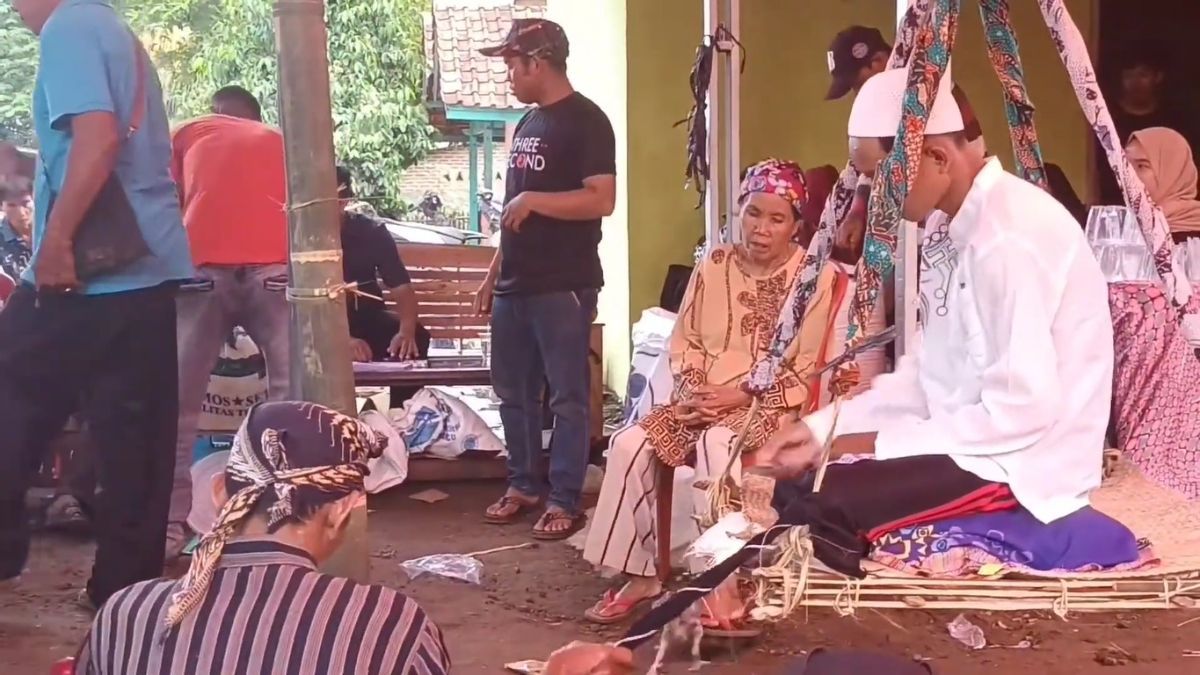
(139, 90)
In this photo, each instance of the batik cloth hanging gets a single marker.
(1072, 49)
(837, 207)
(933, 43)
(1005, 55)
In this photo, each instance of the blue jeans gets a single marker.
(535, 339)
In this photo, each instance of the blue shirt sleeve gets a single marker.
(74, 67)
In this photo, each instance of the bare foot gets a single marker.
(557, 523)
(510, 507)
(617, 606)
(725, 607)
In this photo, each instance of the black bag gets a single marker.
(108, 237)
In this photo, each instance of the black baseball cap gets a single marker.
(535, 38)
(849, 52)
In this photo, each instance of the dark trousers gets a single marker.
(377, 328)
(538, 339)
(113, 357)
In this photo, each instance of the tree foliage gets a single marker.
(18, 54)
(377, 69)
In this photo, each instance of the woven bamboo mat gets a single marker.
(1168, 520)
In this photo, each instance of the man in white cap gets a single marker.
(1007, 395)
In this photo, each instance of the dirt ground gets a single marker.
(532, 601)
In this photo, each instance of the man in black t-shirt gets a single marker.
(546, 274)
(369, 256)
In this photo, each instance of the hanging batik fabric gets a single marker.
(930, 57)
(1072, 49)
(1005, 56)
(837, 207)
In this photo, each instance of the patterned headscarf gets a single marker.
(776, 177)
(289, 458)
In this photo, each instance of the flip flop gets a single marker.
(578, 520)
(523, 507)
(625, 609)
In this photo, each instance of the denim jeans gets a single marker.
(222, 298)
(537, 339)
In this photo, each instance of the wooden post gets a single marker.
(320, 362)
(473, 136)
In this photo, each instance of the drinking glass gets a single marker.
(1105, 225)
(1134, 259)
(1110, 262)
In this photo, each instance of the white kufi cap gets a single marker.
(876, 111)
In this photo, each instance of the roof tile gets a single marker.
(454, 35)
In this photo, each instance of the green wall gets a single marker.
(784, 111)
(661, 39)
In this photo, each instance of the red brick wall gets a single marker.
(447, 171)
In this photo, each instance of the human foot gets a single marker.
(557, 524)
(509, 508)
(65, 514)
(725, 611)
(616, 606)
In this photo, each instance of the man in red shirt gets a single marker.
(229, 167)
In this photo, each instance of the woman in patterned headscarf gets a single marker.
(725, 324)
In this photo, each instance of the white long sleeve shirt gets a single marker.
(1012, 375)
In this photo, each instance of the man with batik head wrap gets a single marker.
(725, 325)
(253, 601)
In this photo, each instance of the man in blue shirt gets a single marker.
(107, 341)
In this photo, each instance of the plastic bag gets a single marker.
(448, 565)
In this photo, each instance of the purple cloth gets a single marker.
(1084, 540)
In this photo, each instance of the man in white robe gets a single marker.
(1008, 393)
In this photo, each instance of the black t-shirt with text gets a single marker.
(554, 149)
(369, 255)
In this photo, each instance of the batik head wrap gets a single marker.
(288, 459)
(776, 177)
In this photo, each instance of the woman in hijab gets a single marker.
(1163, 160)
(725, 326)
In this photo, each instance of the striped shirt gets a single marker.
(268, 610)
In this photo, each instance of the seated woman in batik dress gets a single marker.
(725, 325)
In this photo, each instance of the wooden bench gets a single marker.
(446, 278)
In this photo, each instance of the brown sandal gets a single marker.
(541, 530)
(505, 502)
